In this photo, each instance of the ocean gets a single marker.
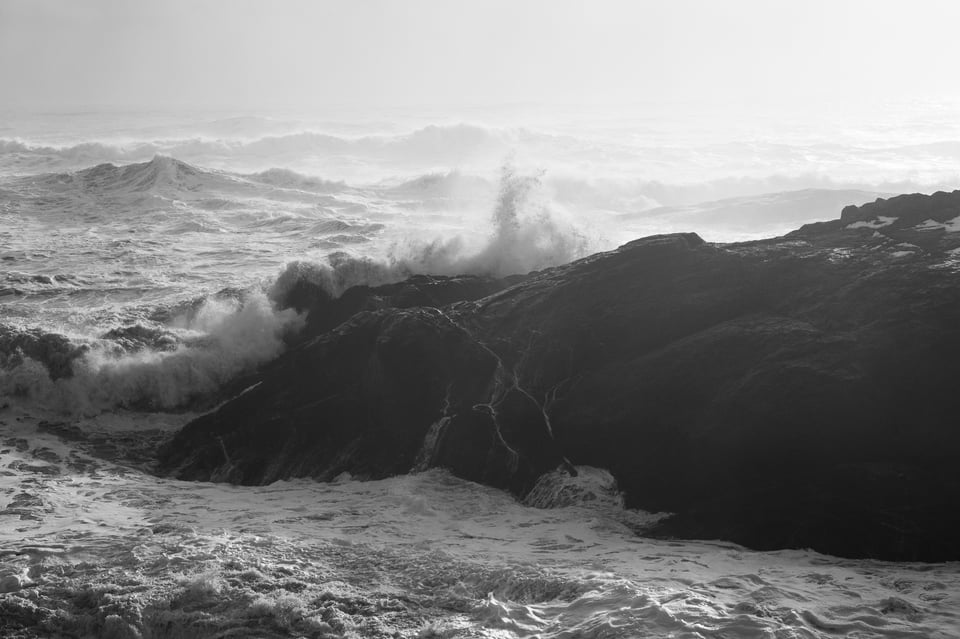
(143, 258)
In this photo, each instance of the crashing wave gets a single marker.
(130, 368)
(526, 236)
(172, 367)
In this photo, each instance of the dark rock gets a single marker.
(385, 393)
(793, 392)
(909, 210)
(326, 312)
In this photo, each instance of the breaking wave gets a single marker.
(149, 369)
(193, 354)
(526, 235)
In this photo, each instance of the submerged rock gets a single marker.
(786, 393)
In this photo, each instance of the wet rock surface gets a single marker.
(785, 393)
(325, 312)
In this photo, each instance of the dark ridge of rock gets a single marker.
(326, 312)
(787, 393)
(910, 210)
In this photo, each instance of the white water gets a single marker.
(423, 553)
(207, 218)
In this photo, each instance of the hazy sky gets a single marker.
(307, 53)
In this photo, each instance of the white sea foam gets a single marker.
(525, 234)
(340, 201)
(414, 556)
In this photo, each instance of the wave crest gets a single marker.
(527, 235)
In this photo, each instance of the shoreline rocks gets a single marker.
(784, 393)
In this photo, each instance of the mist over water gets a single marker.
(118, 219)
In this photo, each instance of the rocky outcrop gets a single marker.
(905, 211)
(324, 311)
(793, 392)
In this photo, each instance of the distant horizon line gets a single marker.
(80, 108)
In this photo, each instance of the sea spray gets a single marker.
(526, 235)
(340, 271)
(222, 340)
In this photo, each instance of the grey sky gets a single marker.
(302, 54)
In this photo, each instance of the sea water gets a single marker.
(143, 261)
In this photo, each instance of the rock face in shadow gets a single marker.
(325, 312)
(786, 393)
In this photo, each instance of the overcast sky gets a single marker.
(248, 54)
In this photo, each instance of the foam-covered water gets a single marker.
(422, 555)
(142, 259)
